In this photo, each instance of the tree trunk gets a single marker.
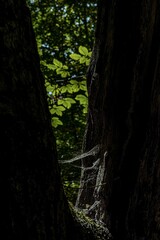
(124, 119)
(33, 204)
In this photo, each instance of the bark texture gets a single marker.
(33, 205)
(33, 200)
(124, 119)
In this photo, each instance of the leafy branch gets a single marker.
(62, 97)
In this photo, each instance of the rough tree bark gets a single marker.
(33, 197)
(33, 204)
(124, 119)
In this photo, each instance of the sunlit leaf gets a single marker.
(70, 88)
(51, 66)
(90, 54)
(56, 110)
(82, 60)
(85, 109)
(75, 56)
(50, 88)
(57, 63)
(61, 108)
(71, 100)
(83, 50)
(59, 71)
(56, 122)
(60, 101)
(75, 88)
(67, 104)
(64, 74)
(74, 81)
(83, 87)
(63, 89)
(82, 99)
(87, 62)
(65, 67)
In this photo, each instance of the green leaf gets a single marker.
(63, 89)
(50, 88)
(75, 56)
(53, 110)
(61, 108)
(87, 62)
(71, 100)
(59, 71)
(66, 102)
(74, 81)
(64, 74)
(57, 63)
(75, 88)
(51, 66)
(90, 54)
(83, 50)
(69, 88)
(56, 110)
(85, 109)
(60, 101)
(56, 122)
(84, 82)
(83, 87)
(65, 67)
(82, 60)
(82, 99)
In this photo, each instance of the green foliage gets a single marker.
(64, 32)
(62, 97)
(84, 57)
(56, 121)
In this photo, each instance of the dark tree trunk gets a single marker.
(33, 205)
(124, 119)
(33, 201)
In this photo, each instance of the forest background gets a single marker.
(64, 33)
